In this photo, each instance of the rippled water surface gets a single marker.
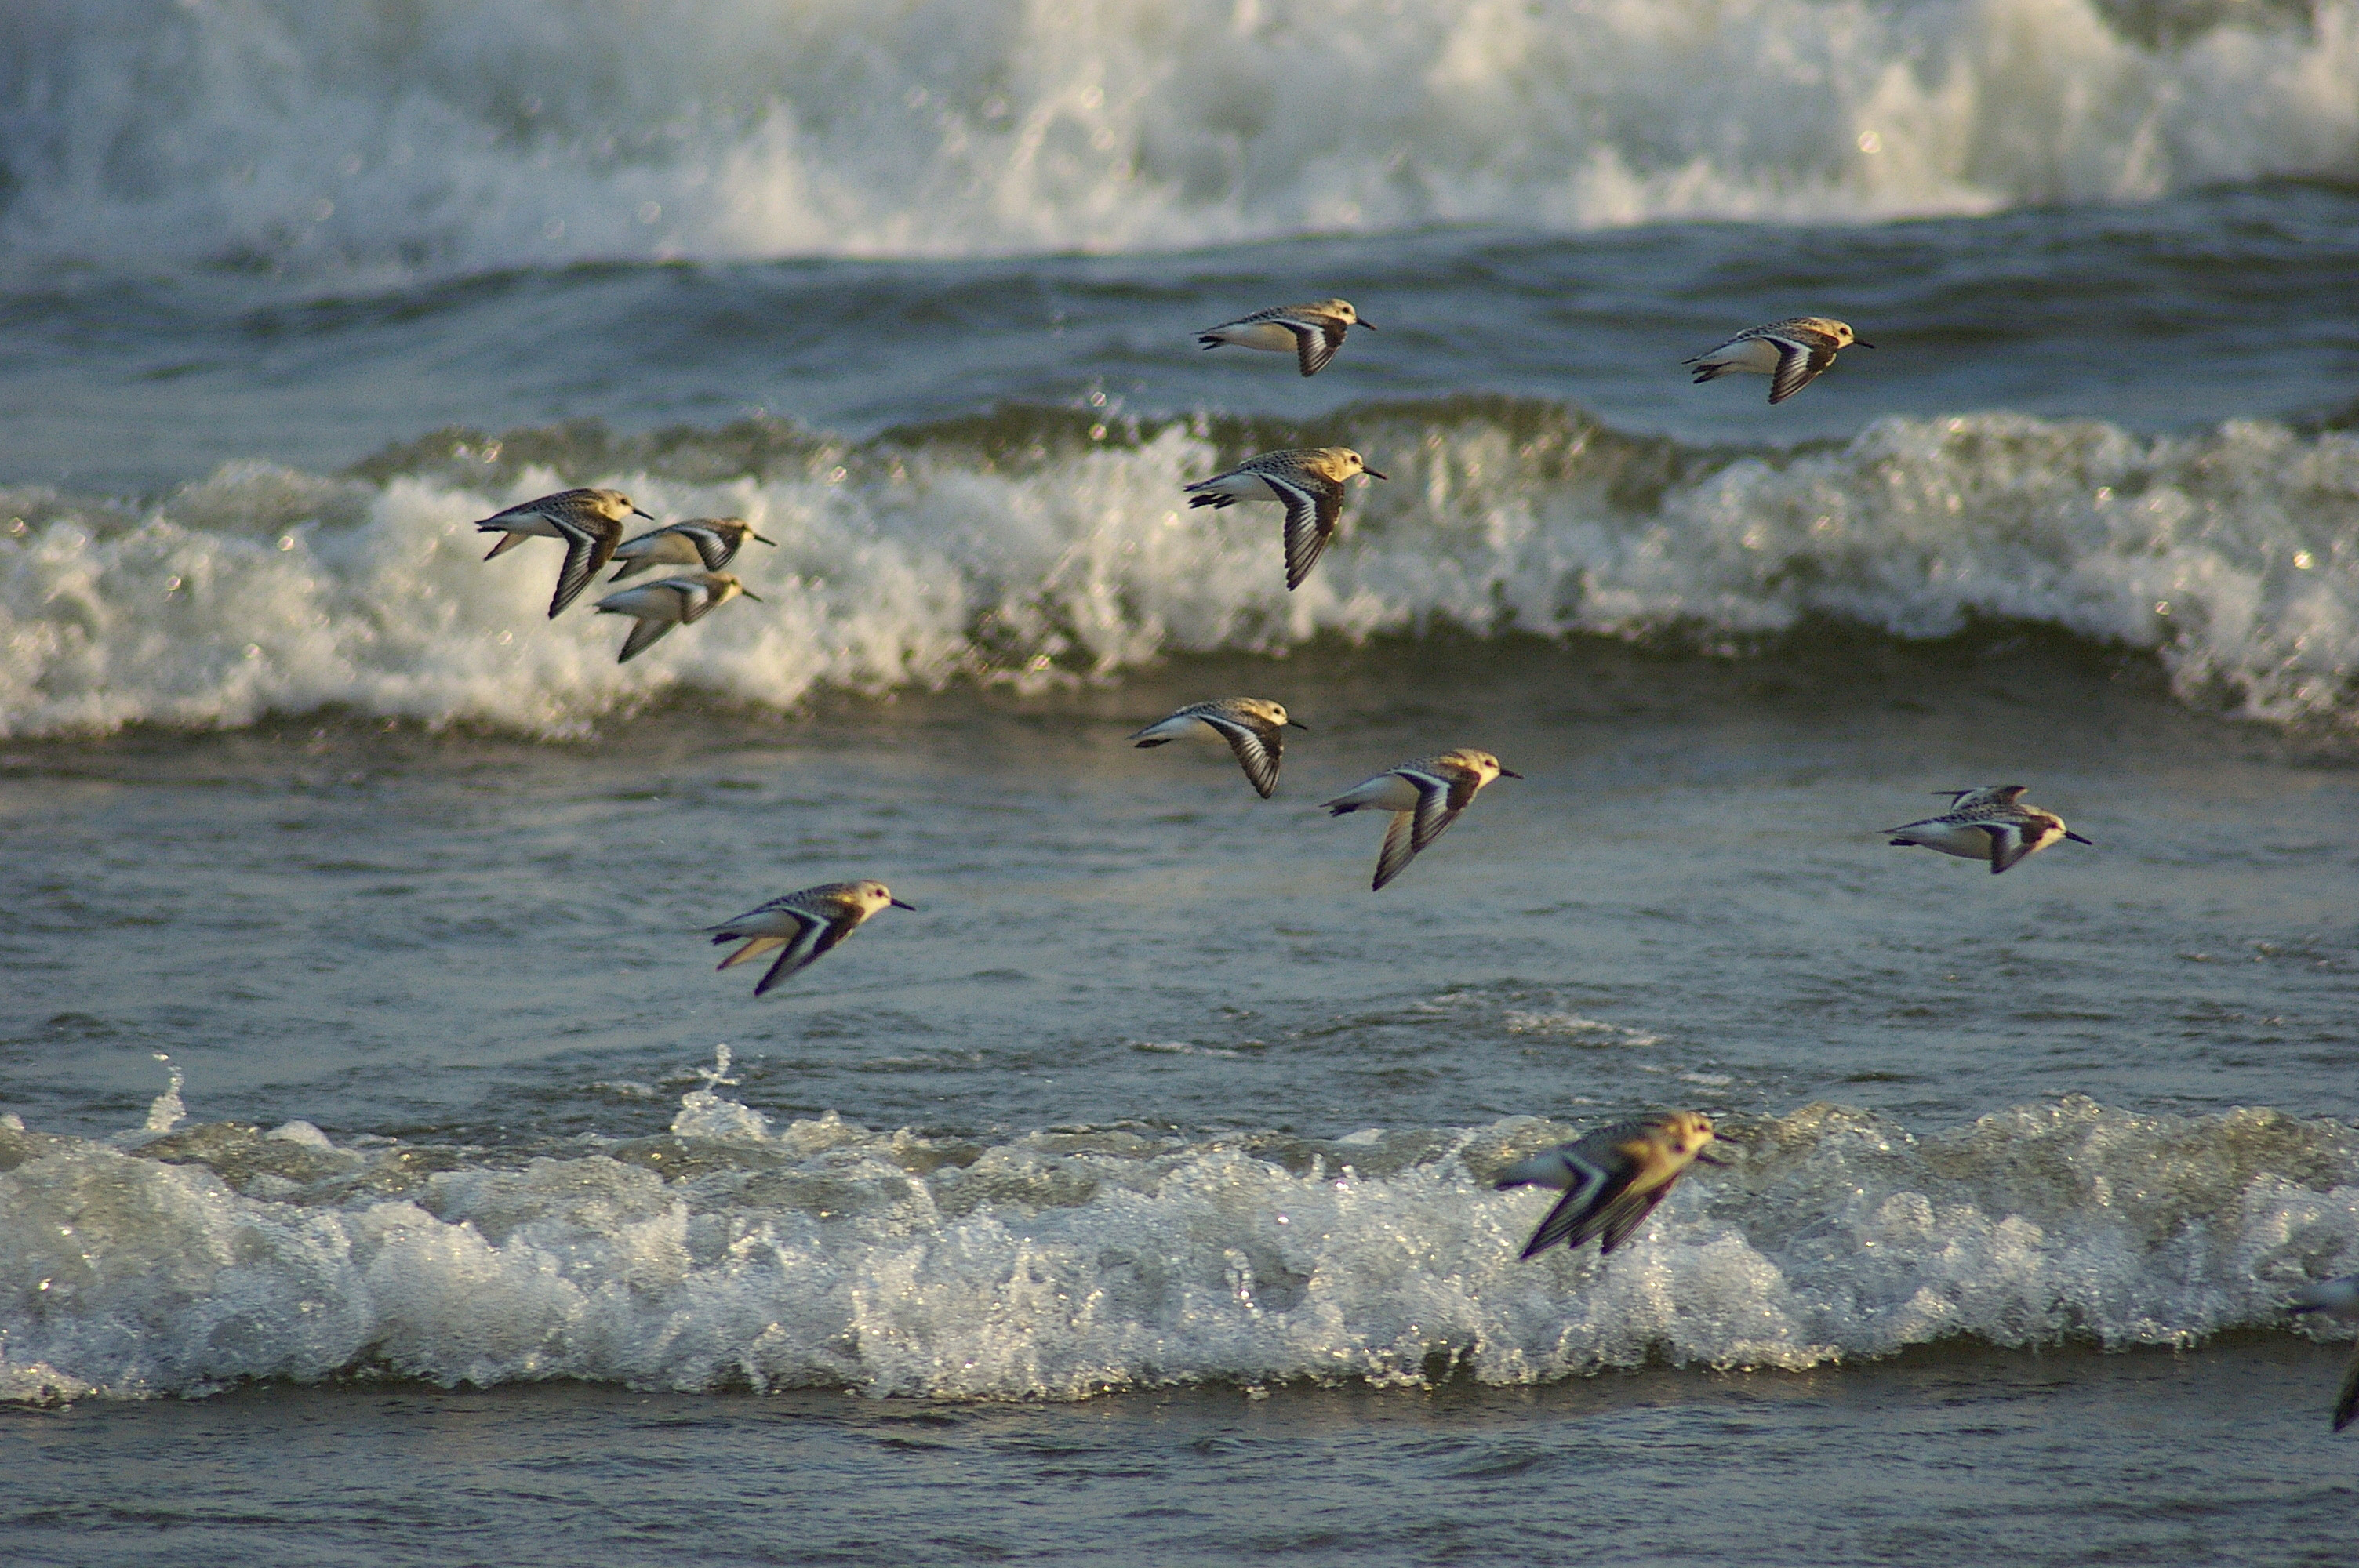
(2049, 1460)
(1686, 897)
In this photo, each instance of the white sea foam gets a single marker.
(2230, 553)
(1061, 1265)
(442, 133)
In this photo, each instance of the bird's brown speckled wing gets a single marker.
(1258, 753)
(1315, 342)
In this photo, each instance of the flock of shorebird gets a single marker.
(1611, 1178)
(1424, 796)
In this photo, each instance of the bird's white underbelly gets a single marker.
(1244, 486)
(653, 602)
(1389, 792)
(664, 547)
(1754, 354)
(531, 523)
(1172, 729)
(1259, 335)
(1966, 843)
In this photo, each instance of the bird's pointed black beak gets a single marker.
(1298, 724)
(899, 903)
(1509, 773)
(1364, 321)
(749, 593)
(1861, 343)
(637, 513)
(2077, 839)
(757, 538)
(1372, 473)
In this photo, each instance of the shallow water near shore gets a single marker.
(317, 919)
(1150, 1087)
(2060, 1458)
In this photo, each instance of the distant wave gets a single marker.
(442, 135)
(1061, 1265)
(1036, 546)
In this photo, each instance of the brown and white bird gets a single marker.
(1611, 1178)
(2337, 1298)
(1986, 824)
(1307, 482)
(806, 923)
(1252, 726)
(1790, 353)
(589, 521)
(709, 541)
(1424, 796)
(1312, 331)
(658, 607)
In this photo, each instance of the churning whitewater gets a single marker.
(728, 1254)
(461, 137)
(2228, 553)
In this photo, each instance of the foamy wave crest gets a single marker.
(2233, 553)
(1059, 1265)
(435, 132)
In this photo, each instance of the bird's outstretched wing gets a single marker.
(1798, 363)
(1311, 518)
(1315, 342)
(588, 547)
(1400, 848)
(1257, 752)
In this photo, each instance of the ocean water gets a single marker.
(377, 1146)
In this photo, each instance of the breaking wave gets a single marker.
(1037, 546)
(728, 1254)
(437, 135)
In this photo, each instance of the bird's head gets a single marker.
(613, 506)
(1270, 713)
(877, 895)
(1687, 1133)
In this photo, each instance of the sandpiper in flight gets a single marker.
(1790, 353)
(709, 541)
(1986, 824)
(1308, 480)
(1252, 726)
(589, 522)
(1424, 796)
(2337, 1298)
(1313, 331)
(806, 923)
(658, 607)
(1611, 1178)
